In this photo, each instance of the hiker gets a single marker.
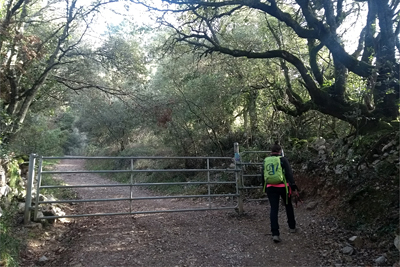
(278, 182)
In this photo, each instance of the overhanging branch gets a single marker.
(316, 29)
(76, 85)
(301, 109)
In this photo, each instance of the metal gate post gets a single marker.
(238, 178)
(28, 197)
(208, 182)
(39, 182)
(131, 188)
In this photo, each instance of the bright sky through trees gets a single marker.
(114, 13)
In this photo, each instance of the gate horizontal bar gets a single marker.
(145, 157)
(136, 198)
(147, 170)
(129, 185)
(248, 163)
(135, 212)
(248, 152)
(252, 187)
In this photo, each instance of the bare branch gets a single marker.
(397, 33)
(318, 30)
(361, 41)
(300, 110)
(76, 85)
(208, 23)
(330, 16)
(339, 12)
(313, 50)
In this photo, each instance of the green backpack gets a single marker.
(273, 172)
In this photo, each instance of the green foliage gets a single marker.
(143, 149)
(9, 245)
(298, 144)
(13, 172)
(124, 56)
(48, 134)
(108, 122)
(65, 120)
(203, 102)
(38, 138)
(5, 118)
(49, 57)
(301, 73)
(299, 155)
(74, 143)
(50, 180)
(159, 177)
(57, 193)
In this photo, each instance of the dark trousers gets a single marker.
(274, 194)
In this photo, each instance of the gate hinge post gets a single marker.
(238, 175)
(28, 197)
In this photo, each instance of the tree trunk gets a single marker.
(252, 108)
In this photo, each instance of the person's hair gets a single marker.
(276, 147)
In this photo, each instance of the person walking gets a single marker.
(277, 177)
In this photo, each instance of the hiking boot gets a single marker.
(292, 230)
(276, 238)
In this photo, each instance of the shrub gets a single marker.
(9, 245)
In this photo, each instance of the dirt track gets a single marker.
(206, 238)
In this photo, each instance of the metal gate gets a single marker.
(230, 175)
(250, 163)
(236, 175)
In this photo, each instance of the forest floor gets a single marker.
(203, 238)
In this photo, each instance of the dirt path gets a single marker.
(205, 238)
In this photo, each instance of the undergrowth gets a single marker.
(48, 179)
(161, 171)
(9, 244)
